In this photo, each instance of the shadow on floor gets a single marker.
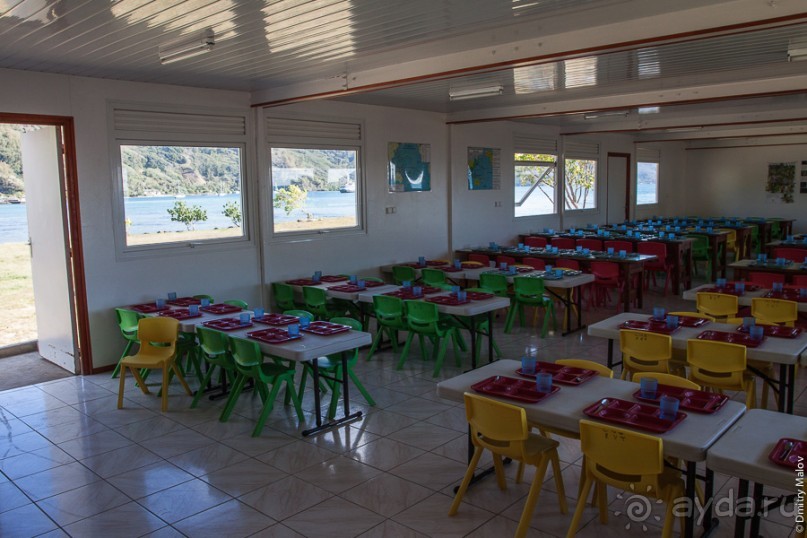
(28, 369)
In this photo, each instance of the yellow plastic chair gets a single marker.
(692, 315)
(776, 311)
(601, 369)
(717, 305)
(158, 344)
(502, 429)
(731, 241)
(667, 379)
(765, 368)
(644, 351)
(629, 461)
(720, 366)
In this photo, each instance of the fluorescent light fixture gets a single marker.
(649, 110)
(188, 49)
(605, 114)
(475, 93)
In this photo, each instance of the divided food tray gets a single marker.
(221, 309)
(697, 401)
(450, 269)
(788, 294)
(403, 294)
(640, 416)
(148, 308)
(226, 324)
(333, 278)
(652, 326)
(731, 338)
(180, 314)
(511, 388)
(479, 295)
(276, 319)
(184, 301)
(302, 282)
(273, 336)
(686, 321)
(775, 330)
(325, 328)
(347, 288)
(788, 452)
(566, 375)
(447, 300)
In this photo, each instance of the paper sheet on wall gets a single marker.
(484, 169)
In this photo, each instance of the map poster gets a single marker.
(782, 181)
(484, 169)
(409, 167)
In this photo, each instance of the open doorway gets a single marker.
(41, 269)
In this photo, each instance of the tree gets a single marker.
(233, 211)
(291, 198)
(580, 177)
(187, 215)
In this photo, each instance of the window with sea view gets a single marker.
(181, 193)
(647, 175)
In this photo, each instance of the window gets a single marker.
(314, 189)
(581, 184)
(535, 184)
(647, 173)
(315, 176)
(179, 193)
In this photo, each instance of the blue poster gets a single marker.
(409, 167)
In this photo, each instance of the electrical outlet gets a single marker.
(389, 210)
(497, 204)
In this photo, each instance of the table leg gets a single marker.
(472, 333)
(317, 403)
(739, 520)
(640, 291)
(626, 292)
(349, 417)
(791, 387)
(708, 497)
(723, 256)
(689, 520)
(490, 336)
(676, 256)
(611, 353)
(713, 256)
(758, 509)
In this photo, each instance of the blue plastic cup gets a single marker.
(455, 290)
(586, 251)
(521, 246)
(672, 321)
(648, 387)
(739, 287)
(361, 283)
(528, 365)
(353, 279)
(457, 264)
(661, 235)
(659, 312)
(294, 329)
(417, 291)
(559, 273)
(462, 296)
(749, 322)
(778, 287)
(503, 266)
(160, 303)
(670, 236)
(610, 251)
(421, 261)
(317, 276)
(669, 407)
(258, 312)
(757, 332)
(803, 293)
(548, 268)
(406, 284)
(667, 227)
(720, 282)
(172, 295)
(243, 317)
(305, 321)
(193, 309)
(789, 239)
(543, 382)
(579, 248)
(709, 229)
(623, 253)
(513, 269)
(492, 244)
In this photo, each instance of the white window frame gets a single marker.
(174, 136)
(529, 193)
(648, 156)
(596, 206)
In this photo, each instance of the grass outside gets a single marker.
(17, 317)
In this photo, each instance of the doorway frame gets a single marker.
(627, 157)
(76, 247)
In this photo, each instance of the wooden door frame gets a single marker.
(76, 249)
(627, 157)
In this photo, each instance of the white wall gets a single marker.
(112, 282)
(731, 181)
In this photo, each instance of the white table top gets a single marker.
(743, 450)
(773, 350)
(472, 308)
(743, 300)
(752, 264)
(566, 282)
(689, 440)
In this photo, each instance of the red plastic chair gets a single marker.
(568, 264)
(793, 254)
(509, 260)
(536, 263)
(566, 243)
(593, 244)
(627, 246)
(535, 241)
(481, 258)
(658, 265)
(800, 280)
(766, 280)
(606, 276)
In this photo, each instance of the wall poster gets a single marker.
(409, 167)
(484, 169)
(781, 181)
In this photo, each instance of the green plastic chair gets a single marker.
(776, 231)
(249, 365)
(332, 366)
(700, 252)
(424, 320)
(755, 247)
(371, 279)
(400, 273)
(316, 302)
(283, 295)
(209, 297)
(214, 350)
(127, 322)
(389, 313)
(238, 302)
(494, 283)
(299, 313)
(434, 277)
(528, 291)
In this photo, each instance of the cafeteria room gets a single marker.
(435, 268)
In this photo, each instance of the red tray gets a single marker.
(427, 290)
(565, 375)
(729, 289)
(302, 282)
(450, 269)
(333, 278)
(148, 308)
(775, 330)
(221, 309)
(651, 326)
(640, 416)
(273, 336)
(184, 301)
(691, 400)
(780, 455)
(789, 294)
(226, 324)
(325, 328)
(479, 295)
(447, 300)
(686, 321)
(374, 284)
(276, 319)
(180, 314)
(347, 288)
(731, 338)
(512, 389)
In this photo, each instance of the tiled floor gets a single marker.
(72, 464)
